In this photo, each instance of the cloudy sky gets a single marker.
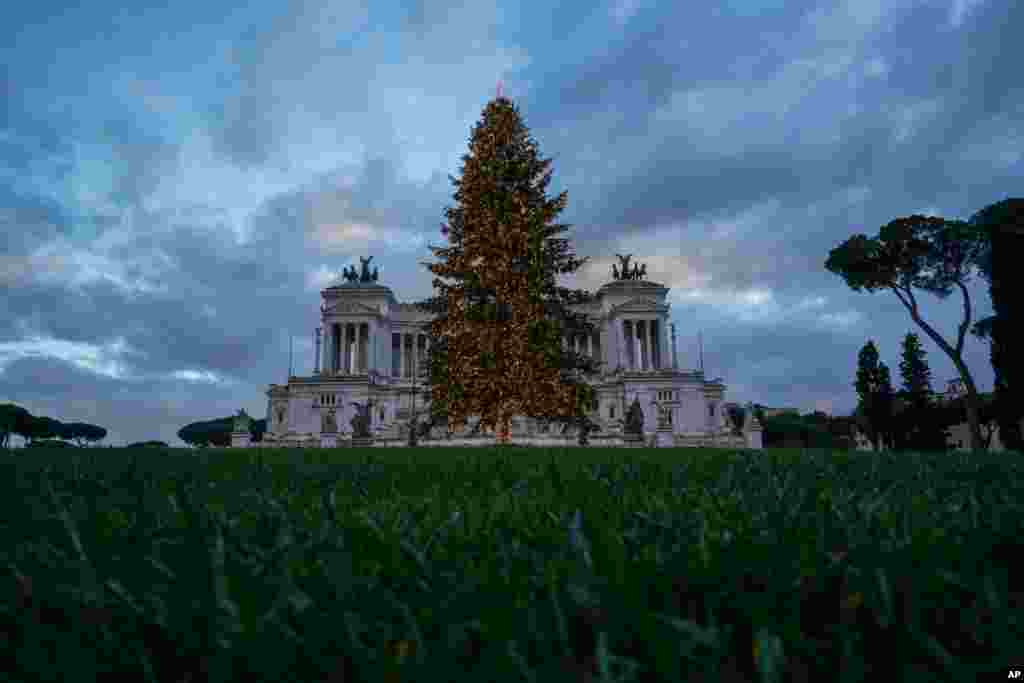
(178, 181)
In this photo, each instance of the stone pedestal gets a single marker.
(664, 438)
(240, 439)
(362, 442)
(632, 440)
(328, 440)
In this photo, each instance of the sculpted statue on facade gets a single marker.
(329, 422)
(634, 418)
(624, 263)
(242, 421)
(364, 276)
(637, 272)
(361, 421)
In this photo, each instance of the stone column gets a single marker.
(421, 353)
(604, 344)
(345, 362)
(655, 361)
(642, 336)
(348, 348)
(369, 352)
(344, 354)
(623, 348)
(621, 326)
(365, 354)
(407, 349)
(360, 347)
(412, 355)
(638, 342)
(655, 347)
(648, 339)
(638, 359)
(354, 348)
(426, 349)
(401, 355)
(675, 359)
(395, 354)
(372, 331)
(316, 353)
(332, 360)
(416, 355)
(663, 343)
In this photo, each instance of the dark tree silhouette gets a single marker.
(927, 253)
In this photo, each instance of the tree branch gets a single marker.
(967, 318)
(935, 336)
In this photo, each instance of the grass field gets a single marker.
(511, 564)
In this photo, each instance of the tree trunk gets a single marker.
(972, 404)
(973, 401)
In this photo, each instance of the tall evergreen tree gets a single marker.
(919, 428)
(496, 335)
(914, 370)
(874, 389)
(1003, 223)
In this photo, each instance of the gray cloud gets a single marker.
(155, 260)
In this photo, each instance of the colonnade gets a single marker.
(346, 348)
(648, 347)
(352, 348)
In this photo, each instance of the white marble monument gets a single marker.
(369, 346)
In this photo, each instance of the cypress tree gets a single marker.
(874, 389)
(920, 427)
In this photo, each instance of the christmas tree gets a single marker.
(496, 336)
